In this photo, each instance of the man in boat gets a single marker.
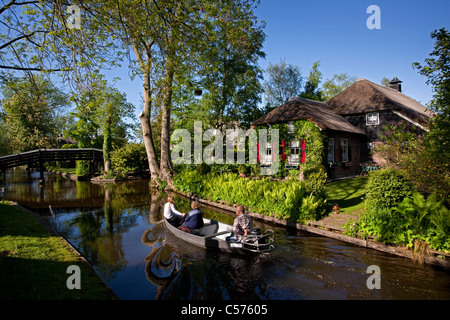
(242, 225)
(193, 220)
(172, 214)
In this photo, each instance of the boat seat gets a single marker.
(207, 229)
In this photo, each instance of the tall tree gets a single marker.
(173, 32)
(225, 89)
(312, 90)
(31, 109)
(100, 119)
(151, 34)
(336, 84)
(437, 141)
(284, 82)
(437, 70)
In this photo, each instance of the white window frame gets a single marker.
(267, 157)
(330, 155)
(294, 157)
(373, 118)
(344, 147)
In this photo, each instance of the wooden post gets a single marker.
(92, 164)
(41, 168)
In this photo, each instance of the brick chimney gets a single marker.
(395, 84)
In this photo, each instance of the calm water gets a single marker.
(118, 229)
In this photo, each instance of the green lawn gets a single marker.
(33, 262)
(348, 194)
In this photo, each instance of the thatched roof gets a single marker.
(364, 96)
(317, 112)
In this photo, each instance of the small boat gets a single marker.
(214, 235)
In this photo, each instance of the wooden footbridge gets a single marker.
(39, 157)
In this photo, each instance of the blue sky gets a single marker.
(335, 32)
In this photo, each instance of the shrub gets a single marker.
(401, 216)
(427, 219)
(82, 168)
(203, 168)
(189, 182)
(282, 199)
(242, 168)
(386, 188)
(130, 158)
(315, 180)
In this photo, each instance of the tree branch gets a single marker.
(32, 69)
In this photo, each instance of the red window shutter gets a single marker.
(303, 150)
(257, 152)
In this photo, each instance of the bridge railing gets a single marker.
(45, 155)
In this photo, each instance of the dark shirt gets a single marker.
(194, 219)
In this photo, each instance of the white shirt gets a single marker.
(170, 211)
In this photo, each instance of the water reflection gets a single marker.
(183, 271)
(118, 228)
(163, 262)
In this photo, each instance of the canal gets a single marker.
(118, 228)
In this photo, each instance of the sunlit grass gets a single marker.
(348, 194)
(33, 262)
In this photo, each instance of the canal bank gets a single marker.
(35, 261)
(332, 227)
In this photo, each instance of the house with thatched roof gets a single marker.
(352, 123)
(370, 107)
(345, 144)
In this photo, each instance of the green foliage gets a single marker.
(31, 108)
(132, 157)
(242, 168)
(223, 67)
(314, 139)
(189, 182)
(315, 180)
(407, 148)
(312, 90)
(100, 113)
(437, 70)
(203, 168)
(284, 82)
(82, 168)
(395, 214)
(427, 219)
(337, 84)
(386, 188)
(288, 199)
(436, 145)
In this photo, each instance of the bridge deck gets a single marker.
(44, 155)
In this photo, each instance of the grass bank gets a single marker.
(34, 262)
(348, 194)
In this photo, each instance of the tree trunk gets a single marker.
(144, 117)
(107, 145)
(166, 165)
